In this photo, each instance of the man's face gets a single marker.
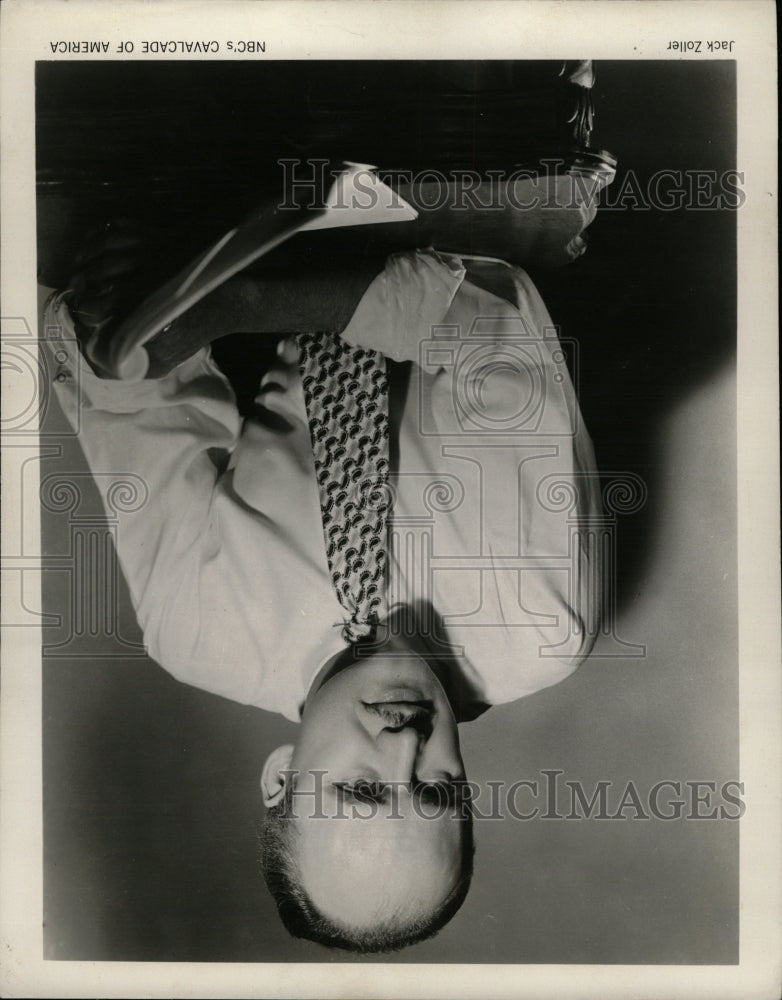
(388, 851)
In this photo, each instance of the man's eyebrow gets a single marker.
(365, 791)
(434, 793)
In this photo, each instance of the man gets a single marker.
(490, 586)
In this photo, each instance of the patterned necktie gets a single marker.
(346, 392)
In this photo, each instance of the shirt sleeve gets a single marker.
(521, 593)
(173, 435)
(414, 291)
(506, 405)
(202, 561)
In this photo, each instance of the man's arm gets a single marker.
(539, 601)
(535, 624)
(268, 301)
(123, 264)
(166, 432)
(197, 558)
(202, 565)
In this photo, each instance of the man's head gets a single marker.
(367, 844)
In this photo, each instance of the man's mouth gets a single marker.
(400, 692)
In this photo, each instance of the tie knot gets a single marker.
(356, 629)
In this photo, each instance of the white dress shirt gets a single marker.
(225, 561)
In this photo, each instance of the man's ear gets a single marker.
(272, 781)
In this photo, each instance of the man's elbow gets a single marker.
(544, 658)
(574, 646)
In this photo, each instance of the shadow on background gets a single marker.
(151, 787)
(653, 301)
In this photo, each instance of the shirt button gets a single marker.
(288, 350)
(61, 376)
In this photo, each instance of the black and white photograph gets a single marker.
(390, 481)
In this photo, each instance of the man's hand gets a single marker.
(119, 266)
(122, 264)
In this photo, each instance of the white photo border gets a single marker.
(541, 29)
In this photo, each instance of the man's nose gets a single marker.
(399, 749)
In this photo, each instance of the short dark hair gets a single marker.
(303, 920)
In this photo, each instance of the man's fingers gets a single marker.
(119, 234)
(109, 243)
(288, 350)
(94, 308)
(111, 275)
(102, 273)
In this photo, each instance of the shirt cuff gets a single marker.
(398, 310)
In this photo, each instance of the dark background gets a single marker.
(151, 787)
